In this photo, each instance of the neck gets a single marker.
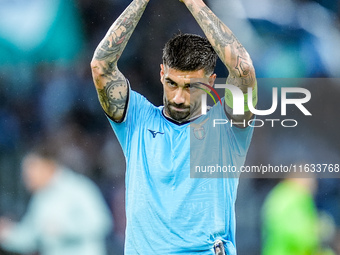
(179, 121)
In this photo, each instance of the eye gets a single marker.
(191, 87)
(172, 83)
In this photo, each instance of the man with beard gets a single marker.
(167, 211)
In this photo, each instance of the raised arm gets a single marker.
(110, 83)
(228, 48)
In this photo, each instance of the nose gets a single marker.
(179, 96)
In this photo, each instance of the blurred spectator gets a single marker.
(66, 216)
(290, 219)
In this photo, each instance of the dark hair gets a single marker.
(44, 150)
(189, 52)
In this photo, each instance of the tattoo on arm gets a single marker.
(110, 83)
(112, 46)
(227, 46)
(113, 97)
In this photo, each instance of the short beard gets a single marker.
(178, 116)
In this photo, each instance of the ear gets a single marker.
(162, 71)
(212, 79)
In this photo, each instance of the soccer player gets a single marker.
(167, 211)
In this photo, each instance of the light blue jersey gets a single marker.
(167, 211)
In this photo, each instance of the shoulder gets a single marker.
(69, 180)
(139, 107)
(137, 100)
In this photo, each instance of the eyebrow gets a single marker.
(186, 84)
(170, 80)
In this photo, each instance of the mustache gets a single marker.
(180, 106)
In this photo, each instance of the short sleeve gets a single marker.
(138, 110)
(238, 138)
(242, 137)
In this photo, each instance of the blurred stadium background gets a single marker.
(46, 89)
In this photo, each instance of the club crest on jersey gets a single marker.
(199, 132)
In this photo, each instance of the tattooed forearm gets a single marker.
(243, 77)
(110, 83)
(226, 45)
(228, 48)
(220, 36)
(113, 44)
